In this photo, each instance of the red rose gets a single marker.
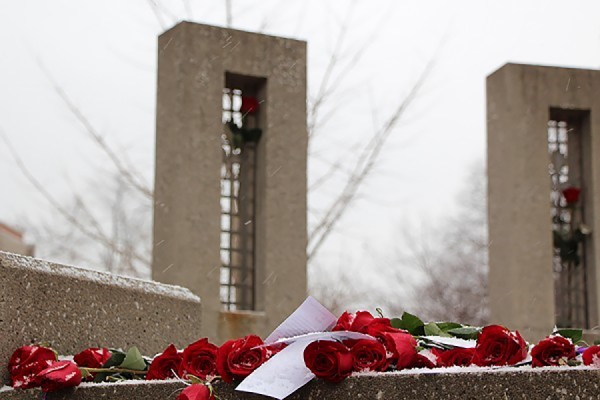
(165, 365)
(496, 345)
(238, 358)
(551, 350)
(401, 345)
(249, 105)
(25, 364)
(196, 392)
(591, 356)
(571, 195)
(423, 360)
(344, 322)
(92, 357)
(60, 375)
(331, 361)
(369, 355)
(455, 357)
(199, 359)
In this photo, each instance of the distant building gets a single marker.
(11, 240)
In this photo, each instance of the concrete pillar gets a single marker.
(519, 102)
(194, 62)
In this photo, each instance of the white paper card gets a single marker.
(310, 317)
(282, 375)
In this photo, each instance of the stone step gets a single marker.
(74, 308)
(553, 383)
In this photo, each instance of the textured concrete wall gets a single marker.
(74, 309)
(192, 63)
(519, 98)
(531, 385)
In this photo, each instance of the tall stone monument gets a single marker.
(544, 140)
(230, 185)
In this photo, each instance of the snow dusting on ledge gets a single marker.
(9, 260)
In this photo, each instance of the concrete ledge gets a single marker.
(558, 383)
(74, 308)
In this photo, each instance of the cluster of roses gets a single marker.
(396, 349)
(38, 366)
(35, 366)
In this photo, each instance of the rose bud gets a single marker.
(328, 360)
(199, 360)
(496, 345)
(551, 351)
(571, 195)
(60, 375)
(591, 356)
(344, 322)
(457, 357)
(92, 357)
(236, 359)
(196, 392)
(165, 365)
(369, 355)
(26, 362)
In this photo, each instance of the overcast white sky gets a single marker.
(103, 53)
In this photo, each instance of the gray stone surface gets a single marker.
(74, 308)
(193, 60)
(546, 385)
(519, 100)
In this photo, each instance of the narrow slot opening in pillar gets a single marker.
(568, 164)
(242, 131)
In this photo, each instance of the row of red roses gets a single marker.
(393, 349)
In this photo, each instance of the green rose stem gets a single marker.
(114, 370)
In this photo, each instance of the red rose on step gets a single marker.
(455, 357)
(25, 364)
(496, 345)
(92, 357)
(551, 350)
(238, 358)
(60, 375)
(591, 356)
(344, 322)
(249, 105)
(199, 359)
(359, 322)
(424, 359)
(165, 365)
(571, 195)
(401, 346)
(328, 360)
(368, 355)
(196, 392)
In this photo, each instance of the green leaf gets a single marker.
(115, 359)
(446, 326)
(574, 334)
(468, 332)
(410, 323)
(432, 329)
(134, 360)
(101, 376)
(396, 323)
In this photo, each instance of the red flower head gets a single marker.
(571, 195)
(239, 358)
(199, 359)
(60, 375)
(249, 105)
(165, 365)
(196, 392)
(496, 345)
(424, 359)
(361, 322)
(92, 357)
(26, 362)
(331, 361)
(591, 356)
(401, 347)
(551, 350)
(458, 357)
(369, 355)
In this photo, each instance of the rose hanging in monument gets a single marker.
(568, 237)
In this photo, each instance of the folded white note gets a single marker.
(310, 317)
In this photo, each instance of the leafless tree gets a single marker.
(449, 261)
